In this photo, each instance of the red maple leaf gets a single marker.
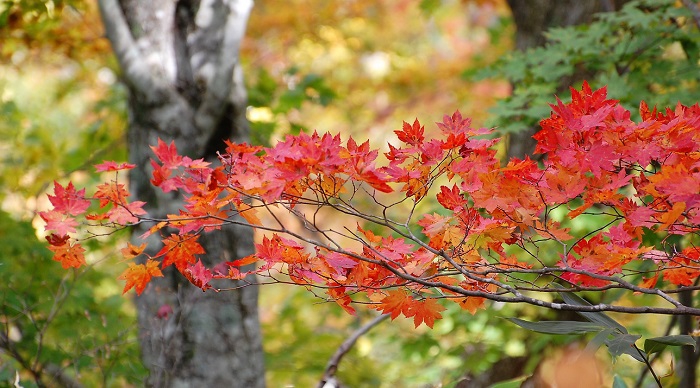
(126, 214)
(161, 177)
(67, 200)
(199, 275)
(411, 134)
(138, 275)
(450, 198)
(340, 262)
(57, 240)
(167, 154)
(455, 124)
(362, 167)
(113, 166)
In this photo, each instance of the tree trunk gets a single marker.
(179, 60)
(532, 19)
(687, 364)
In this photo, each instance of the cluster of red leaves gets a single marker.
(646, 177)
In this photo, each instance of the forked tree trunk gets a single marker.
(179, 60)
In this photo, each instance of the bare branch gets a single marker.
(344, 348)
(60, 377)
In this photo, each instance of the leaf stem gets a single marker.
(651, 370)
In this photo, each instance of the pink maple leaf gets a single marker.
(59, 222)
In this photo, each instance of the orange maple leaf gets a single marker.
(397, 302)
(339, 295)
(681, 276)
(180, 250)
(649, 282)
(249, 213)
(69, 255)
(671, 216)
(553, 229)
(111, 192)
(138, 275)
(132, 251)
(371, 237)
(472, 303)
(425, 311)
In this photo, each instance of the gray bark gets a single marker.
(532, 19)
(179, 60)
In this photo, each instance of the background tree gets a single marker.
(647, 50)
(180, 62)
(533, 19)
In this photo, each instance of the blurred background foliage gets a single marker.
(356, 67)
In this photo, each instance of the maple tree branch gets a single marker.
(496, 236)
(344, 348)
(518, 298)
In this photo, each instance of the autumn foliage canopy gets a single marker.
(433, 218)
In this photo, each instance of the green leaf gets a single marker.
(599, 340)
(624, 344)
(429, 6)
(618, 382)
(558, 327)
(658, 344)
(597, 317)
(512, 383)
